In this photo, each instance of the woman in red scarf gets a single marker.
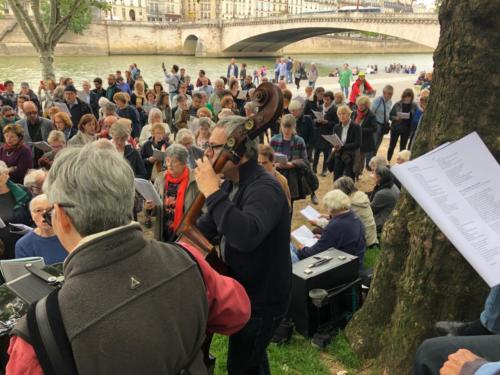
(177, 189)
(15, 153)
(368, 122)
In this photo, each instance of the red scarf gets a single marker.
(360, 115)
(182, 181)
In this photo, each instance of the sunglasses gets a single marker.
(47, 216)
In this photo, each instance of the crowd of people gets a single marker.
(68, 159)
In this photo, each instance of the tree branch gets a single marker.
(53, 14)
(62, 25)
(35, 6)
(25, 23)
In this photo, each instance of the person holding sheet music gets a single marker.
(350, 134)
(57, 142)
(402, 114)
(368, 122)
(292, 147)
(345, 231)
(157, 142)
(324, 123)
(16, 155)
(177, 189)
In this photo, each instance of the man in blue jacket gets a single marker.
(249, 213)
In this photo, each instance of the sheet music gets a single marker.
(43, 146)
(458, 187)
(333, 139)
(310, 213)
(318, 115)
(147, 190)
(159, 155)
(242, 94)
(304, 236)
(280, 158)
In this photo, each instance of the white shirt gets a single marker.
(345, 129)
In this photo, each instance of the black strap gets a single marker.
(49, 338)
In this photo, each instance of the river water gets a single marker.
(20, 69)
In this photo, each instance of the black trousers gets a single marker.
(433, 353)
(396, 133)
(317, 153)
(341, 168)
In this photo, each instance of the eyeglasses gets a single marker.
(47, 216)
(213, 147)
(10, 115)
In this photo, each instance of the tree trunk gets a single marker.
(421, 278)
(47, 62)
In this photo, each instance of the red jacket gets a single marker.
(355, 90)
(228, 312)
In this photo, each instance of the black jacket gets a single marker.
(353, 140)
(147, 151)
(133, 115)
(305, 129)
(326, 129)
(256, 227)
(77, 111)
(134, 159)
(368, 128)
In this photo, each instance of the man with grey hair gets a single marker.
(121, 290)
(216, 97)
(42, 241)
(249, 213)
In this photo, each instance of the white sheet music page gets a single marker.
(458, 187)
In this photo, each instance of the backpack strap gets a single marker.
(49, 338)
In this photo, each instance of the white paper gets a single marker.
(403, 115)
(147, 190)
(318, 115)
(20, 228)
(333, 139)
(63, 107)
(242, 94)
(304, 236)
(2, 224)
(458, 187)
(310, 213)
(159, 155)
(280, 158)
(43, 146)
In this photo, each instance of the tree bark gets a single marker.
(421, 278)
(47, 62)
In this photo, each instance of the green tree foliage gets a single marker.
(49, 20)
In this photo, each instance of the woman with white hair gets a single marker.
(202, 137)
(14, 201)
(344, 232)
(185, 137)
(154, 117)
(177, 189)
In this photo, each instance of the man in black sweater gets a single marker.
(249, 213)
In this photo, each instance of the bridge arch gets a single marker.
(271, 36)
(189, 46)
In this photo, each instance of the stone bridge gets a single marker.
(267, 36)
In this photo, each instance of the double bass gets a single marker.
(269, 101)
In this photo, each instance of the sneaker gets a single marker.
(283, 333)
(314, 199)
(474, 328)
(147, 223)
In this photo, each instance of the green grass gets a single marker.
(299, 356)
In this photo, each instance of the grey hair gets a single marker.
(3, 167)
(36, 199)
(290, 120)
(295, 105)
(182, 134)
(99, 182)
(152, 112)
(219, 81)
(252, 106)
(56, 135)
(378, 161)
(32, 176)
(345, 184)
(121, 128)
(179, 152)
(232, 123)
(108, 107)
(205, 121)
(336, 200)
